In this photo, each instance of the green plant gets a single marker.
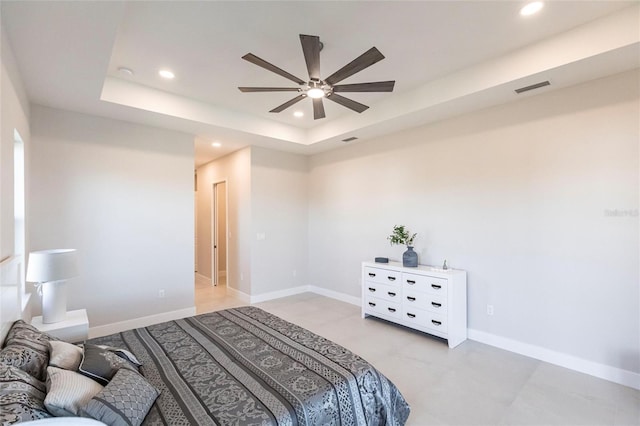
(400, 235)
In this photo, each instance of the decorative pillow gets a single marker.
(28, 349)
(64, 355)
(21, 396)
(122, 353)
(102, 364)
(67, 391)
(126, 400)
(67, 421)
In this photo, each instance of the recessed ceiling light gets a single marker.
(166, 74)
(531, 8)
(125, 71)
(216, 144)
(298, 114)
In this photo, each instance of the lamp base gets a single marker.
(54, 301)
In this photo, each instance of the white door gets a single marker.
(195, 238)
(218, 231)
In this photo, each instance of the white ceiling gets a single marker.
(447, 57)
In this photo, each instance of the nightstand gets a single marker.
(74, 328)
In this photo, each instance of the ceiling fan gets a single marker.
(316, 88)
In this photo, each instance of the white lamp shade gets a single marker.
(52, 265)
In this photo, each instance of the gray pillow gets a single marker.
(27, 348)
(21, 396)
(122, 353)
(64, 355)
(68, 391)
(126, 400)
(102, 364)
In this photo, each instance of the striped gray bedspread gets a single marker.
(244, 366)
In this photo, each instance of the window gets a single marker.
(19, 208)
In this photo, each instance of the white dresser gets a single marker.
(427, 299)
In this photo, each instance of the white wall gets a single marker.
(518, 196)
(279, 214)
(235, 169)
(267, 194)
(14, 115)
(122, 194)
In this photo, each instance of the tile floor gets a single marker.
(213, 298)
(473, 384)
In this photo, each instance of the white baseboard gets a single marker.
(117, 327)
(606, 372)
(335, 295)
(278, 294)
(303, 289)
(244, 297)
(200, 277)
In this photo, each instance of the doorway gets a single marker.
(219, 234)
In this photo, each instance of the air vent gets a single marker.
(352, 138)
(533, 87)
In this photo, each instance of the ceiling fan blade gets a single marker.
(268, 66)
(311, 50)
(378, 86)
(363, 61)
(346, 102)
(318, 109)
(288, 103)
(269, 89)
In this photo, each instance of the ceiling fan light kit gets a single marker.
(315, 93)
(316, 88)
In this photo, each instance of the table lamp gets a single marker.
(51, 269)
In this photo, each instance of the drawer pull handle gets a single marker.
(411, 315)
(436, 286)
(372, 289)
(391, 309)
(392, 294)
(391, 278)
(372, 304)
(371, 274)
(412, 282)
(438, 323)
(436, 305)
(411, 298)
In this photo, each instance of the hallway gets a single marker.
(213, 298)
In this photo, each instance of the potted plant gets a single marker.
(401, 235)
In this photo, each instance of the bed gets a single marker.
(246, 366)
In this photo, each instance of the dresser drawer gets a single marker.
(424, 319)
(425, 283)
(426, 301)
(383, 276)
(383, 307)
(383, 291)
